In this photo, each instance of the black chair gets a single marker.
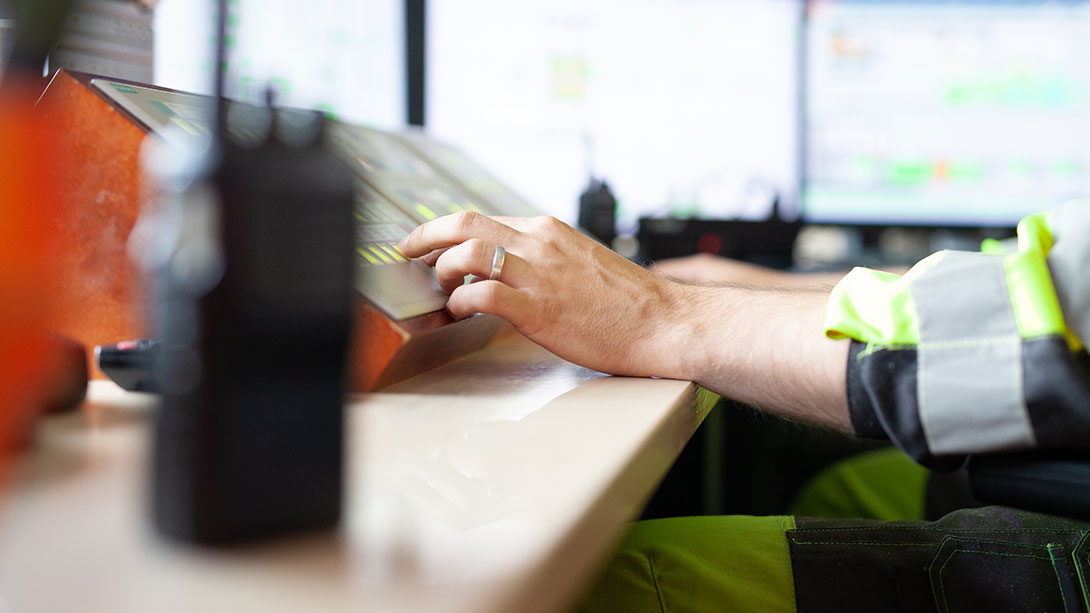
(1047, 483)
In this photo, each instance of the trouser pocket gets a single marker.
(969, 574)
(990, 559)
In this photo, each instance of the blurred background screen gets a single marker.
(685, 107)
(944, 113)
(864, 112)
(346, 57)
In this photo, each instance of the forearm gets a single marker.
(764, 347)
(704, 269)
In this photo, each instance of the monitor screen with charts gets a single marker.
(345, 57)
(963, 113)
(685, 107)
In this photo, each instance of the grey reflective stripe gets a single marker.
(1069, 264)
(969, 377)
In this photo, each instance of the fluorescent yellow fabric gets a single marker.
(1033, 297)
(740, 563)
(877, 307)
(884, 484)
(720, 563)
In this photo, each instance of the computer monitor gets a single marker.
(685, 107)
(962, 113)
(346, 57)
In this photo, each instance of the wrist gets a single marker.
(673, 347)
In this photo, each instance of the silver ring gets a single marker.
(497, 263)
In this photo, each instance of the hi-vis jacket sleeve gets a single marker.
(975, 352)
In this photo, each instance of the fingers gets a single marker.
(475, 257)
(458, 228)
(433, 256)
(491, 297)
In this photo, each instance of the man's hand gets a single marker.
(590, 306)
(559, 288)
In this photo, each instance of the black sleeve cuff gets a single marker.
(864, 418)
(881, 389)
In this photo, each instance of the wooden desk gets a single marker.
(499, 482)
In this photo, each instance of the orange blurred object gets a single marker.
(94, 168)
(100, 179)
(29, 277)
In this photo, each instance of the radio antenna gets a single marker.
(220, 68)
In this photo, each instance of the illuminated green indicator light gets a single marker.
(125, 89)
(393, 254)
(367, 256)
(185, 125)
(382, 256)
(908, 172)
(426, 212)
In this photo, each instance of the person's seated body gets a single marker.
(966, 353)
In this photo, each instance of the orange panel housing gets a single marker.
(105, 301)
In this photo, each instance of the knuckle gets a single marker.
(545, 221)
(554, 226)
(547, 232)
(476, 247)
(466, 220)
(550, 245)
(489, 294)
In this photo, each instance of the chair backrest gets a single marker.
(1054, 484)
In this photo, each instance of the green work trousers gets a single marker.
(870, 550)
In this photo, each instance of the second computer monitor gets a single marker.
(944, 113)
